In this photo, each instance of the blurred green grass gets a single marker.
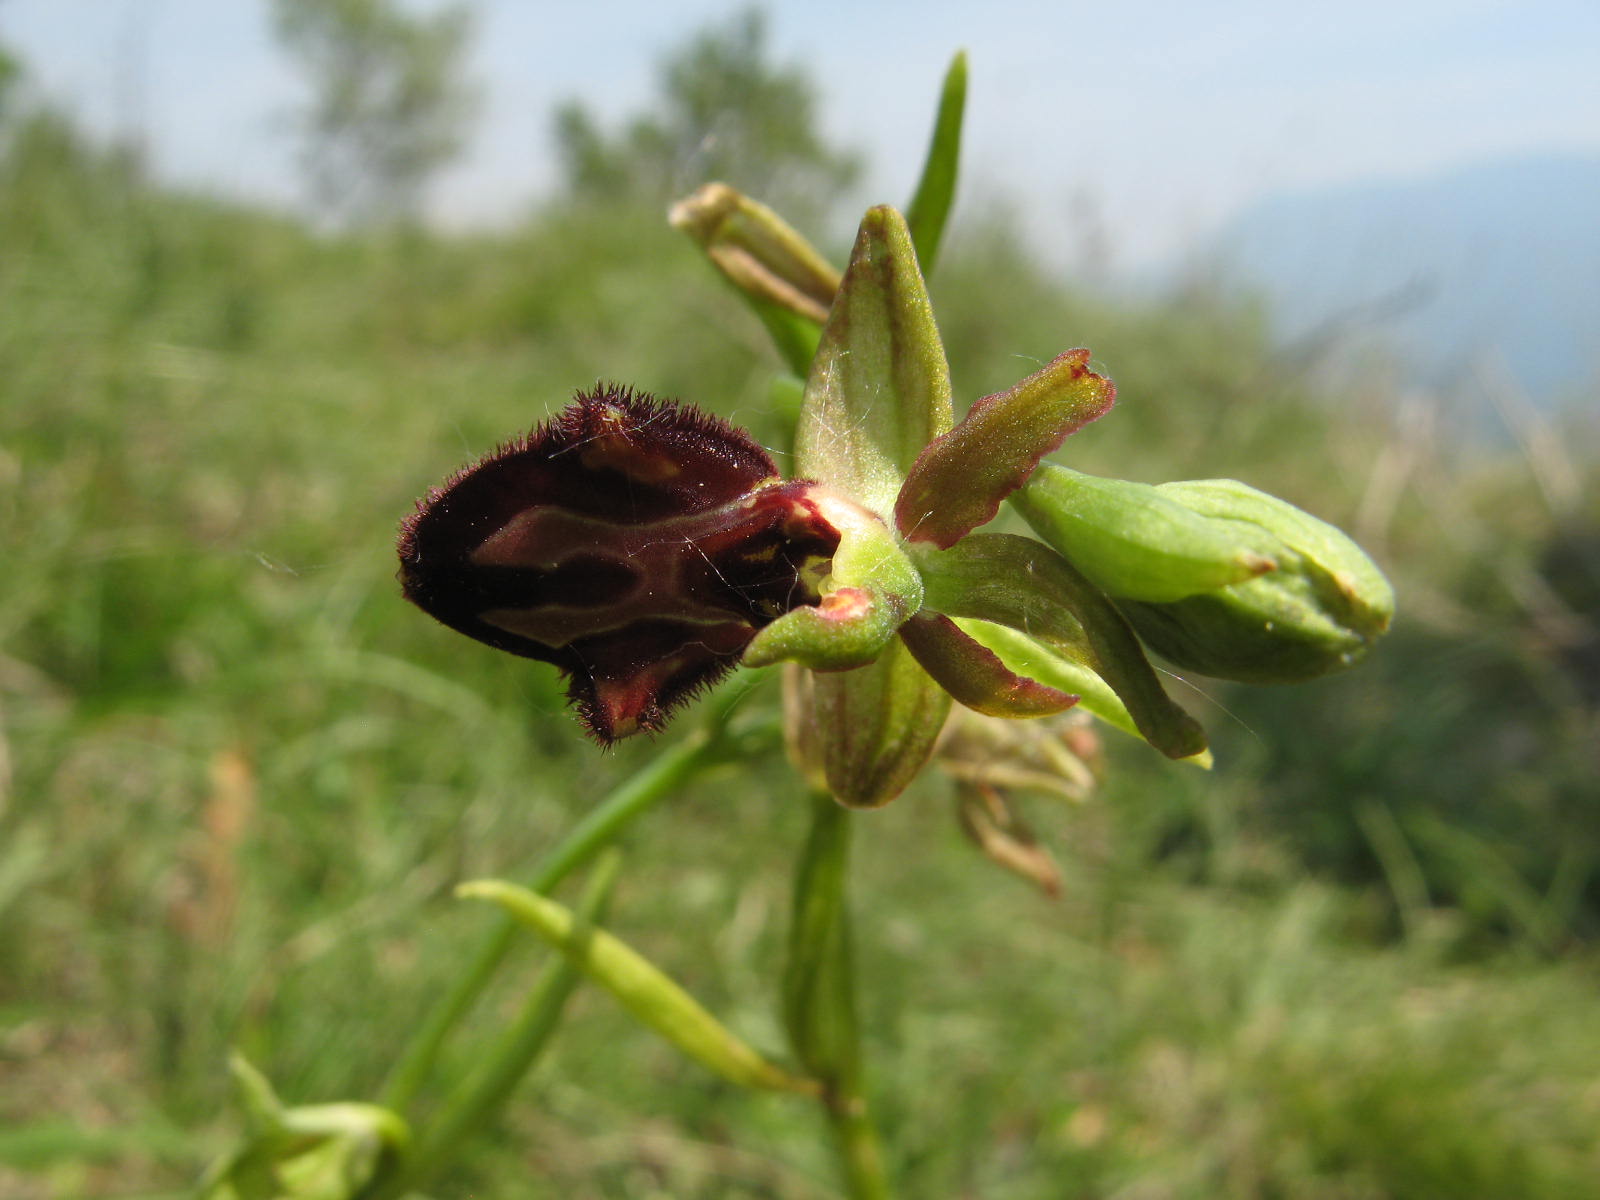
(1356, 961)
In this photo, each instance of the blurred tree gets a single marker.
(725, 111)
(388, 108)
(10, 72)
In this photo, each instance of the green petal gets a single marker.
(1022, 583)
(870, 590)
(1034, 659)
(958, 482)
(879, 387)
(1052, 666)
(974, 675)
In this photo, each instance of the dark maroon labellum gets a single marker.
(638, 544)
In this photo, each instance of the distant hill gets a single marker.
(1450, 269)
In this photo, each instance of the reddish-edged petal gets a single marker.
(974, 675)
(1023, 584)
(959, 480)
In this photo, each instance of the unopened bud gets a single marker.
(760, 253)
(1318, 611)
(1134, 541)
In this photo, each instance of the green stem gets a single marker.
(475, 1101)
(855, 1141)
(820, 997)
(658, 779)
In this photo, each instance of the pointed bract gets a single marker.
(936, 188)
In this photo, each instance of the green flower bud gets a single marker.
(784, 280)
(1135, 541)
(1319, 611)
(759, 252)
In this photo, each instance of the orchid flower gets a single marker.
(646, 549)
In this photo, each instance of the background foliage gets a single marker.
(240, 776)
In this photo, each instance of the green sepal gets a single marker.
(1024, 584)
(974, 675)
(959, 480)
(870, 591)
(1136, 541)
(869, 731)
(641, 987)
(936, 189)
(879, 387)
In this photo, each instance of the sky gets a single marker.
(1150, 120)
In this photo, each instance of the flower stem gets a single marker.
(819, 997)
(860, 1153)
(658, 779)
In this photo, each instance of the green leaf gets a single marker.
(879, 387)
(472, 1104)
(1022, 583)
(959, 480)
(936, 190)
(640, 987)
(1135, 541)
